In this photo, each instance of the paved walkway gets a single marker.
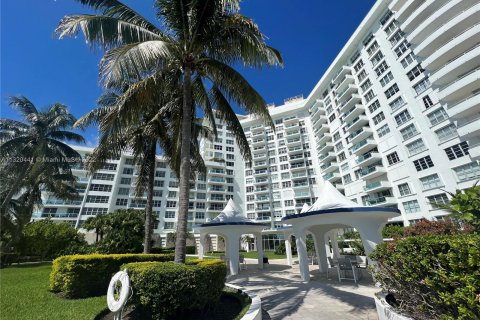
(284, 296)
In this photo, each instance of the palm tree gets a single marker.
(37, 157)
(198, 41)
(98, 223)
(125, 128)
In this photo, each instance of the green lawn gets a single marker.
(253, 255)
(24, 295)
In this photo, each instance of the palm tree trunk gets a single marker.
(147, 246)
(13, 189)
(184, 183)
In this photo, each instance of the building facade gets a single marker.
(394, 121)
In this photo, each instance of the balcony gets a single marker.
(329, 167)
(461, 87)
(292, 134)
(338, 77)
(318, 103)
(258, 142)
(360, 134)
(356, 110)
(299, 175)
(261, 180)
(261, 172)
(442, 26)
(372, 172)
(457, 66)
(302, 194)
(326, 137)
(262, 190)
(474, 151)
(339, 186)
(452, 48)
(257, 128)
(262, 198)
(292, 126)
(363, 146)
(292, 119)
(357, 123)
(258, 133)
(295, 149)
(302, 185)
(407, 9)
(262, 208)
(331, 176)
(259, 149)
(347, 93)
(318, 120)
(327, 156)
(216, 199)
(260, 164)
(377, 186)
(381, 201)
(216, 189)
(216, 180)
(349, 79)
(259, 156)
(324, 147)
(297, 166)
(217, 172)
(354, 99)
(294, 141)
(421, 14)
(324, 128)
(471, 128)
(296, 157)
(465, 108)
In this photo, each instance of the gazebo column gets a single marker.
(302, 253)
(334, 240)
(288, 249)
(320, 248)
(370, 233)
(258, 237)
(233, 242)
(202, 245)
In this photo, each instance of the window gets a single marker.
(437, 116)
(377, 58)
(391, 91)
(368, 39)
(158, 183)
(427, 102)
(362, 75)
(171, 204)
(409, 131)
(369, 96)
(127, 170)
(230, 164)
(378, 118)
(283, 158)
(283, 167)
(391, 27)
(97, 199)
(332, 117)
(354, 57)
(94, 211)
(415, 72)
(157, 203)
(168, 225)
(129, 162)
(374, 106)
(288, 203)
(402, 48)
(336, 136)
(347, 179)
(161, 164)
(50, 210)
(367, 84)
(422, 86)
(404, 189)
(372, 48)
(411, 206)
(103, 176)
(229, 141)
(396, 38)
(415, 147)
(160, 174)
(200, 205)
(381, 68)
(218, 147)
(230, 149)
(123, 191)
(125, 180)
(397, 104)
(339, 146)
(408, 60)
(383, 130)
(357, 67)
(402, 117)
(386, 17)
(342, 157)
(438, 199)
(286, 184)
(446, 133)
(431, 182)
(101, 187)
(457, 151)
(468, 171)
(423, 163)
(393, 158)
(386, 79)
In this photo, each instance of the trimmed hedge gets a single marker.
(165, 290)
(432, 277)
(78, 276)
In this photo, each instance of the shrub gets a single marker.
(88, 275)
(162, 250)
(392, 231)
(164, 290)
(440, 227)
(190, 250)
(432, 277)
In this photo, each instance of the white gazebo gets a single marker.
(331, 211)
(231, 225)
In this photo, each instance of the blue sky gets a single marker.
(36, 64)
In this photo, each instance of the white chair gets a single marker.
(242, 263)
(331, 264)
(346, 270)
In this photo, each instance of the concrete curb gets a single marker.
(255, 310)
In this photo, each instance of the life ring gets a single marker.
(117, 304)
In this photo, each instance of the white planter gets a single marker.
(255, 310)
(385, 311)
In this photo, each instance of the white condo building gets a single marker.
(393, 122)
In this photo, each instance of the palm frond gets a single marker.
(66, 136)
(22, 104)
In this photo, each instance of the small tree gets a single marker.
(465, 206)
(392, 231)
(48, 239)
(427, 227)
(100, 224)
(125, 232)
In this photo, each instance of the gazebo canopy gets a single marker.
(230, 215)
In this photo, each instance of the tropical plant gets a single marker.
(441, 227)
(99, 223)
(197, 42)
(35, 157)
(465, 206)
